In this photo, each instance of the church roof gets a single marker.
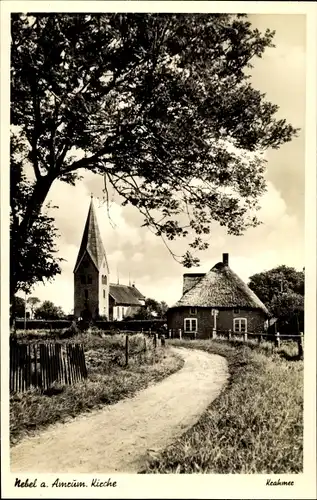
(91, 241)
(221, 287)
(126, 295)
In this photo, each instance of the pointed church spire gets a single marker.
(91, 240)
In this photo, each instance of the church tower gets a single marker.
(91, 272)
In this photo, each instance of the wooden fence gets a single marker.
(276, 338)
(40, 365)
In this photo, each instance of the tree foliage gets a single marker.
(160, 104)
(33, 301)
(151, 309)
(19, 305)
(48, 310)
(156, 308)
(286, 305)
(35, 260)
(282, 290)
(272, 283)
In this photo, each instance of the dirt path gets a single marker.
(120, 437)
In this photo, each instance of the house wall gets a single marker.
(119, 312)
(176, 317)
(86, 268)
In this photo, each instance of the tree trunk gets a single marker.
(40, 192)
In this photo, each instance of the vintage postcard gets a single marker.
(158, 249)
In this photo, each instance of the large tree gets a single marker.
(160, 104)
(288, 307)
(282, 290)
(277, 281)
(36, 259)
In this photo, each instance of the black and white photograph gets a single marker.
(159, 249)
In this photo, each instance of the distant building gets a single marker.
(217, 300)
(94, 296)
(124, 301)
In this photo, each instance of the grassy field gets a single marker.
(256, 424)
(109, 380)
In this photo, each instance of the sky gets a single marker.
(135, 253)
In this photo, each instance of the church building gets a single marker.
(93, 293)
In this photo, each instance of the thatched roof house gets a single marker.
(218, 299)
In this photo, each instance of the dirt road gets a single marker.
(120, 437)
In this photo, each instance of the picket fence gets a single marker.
(42, 364)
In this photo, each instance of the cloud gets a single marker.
(281, 75)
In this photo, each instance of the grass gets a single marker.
(109, 380)
(254, 426)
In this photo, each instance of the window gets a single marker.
(104, 294)
(89, 279)
(240, 325)
(122, 312)
(190, 325)
(86, 294)
(193, 310)
(83, 279)
(236, 311)
(104, 279)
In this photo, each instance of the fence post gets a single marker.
(163, 340)
(144, 341)
(180, 333)
(259, 338)
(127, 349)
(169, 334)
(229, 334)
(150, 331)
(245, 336)
(214, 333)
(277, 339)
(300, 345)
(155, 340)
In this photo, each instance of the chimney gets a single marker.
(225, 259)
